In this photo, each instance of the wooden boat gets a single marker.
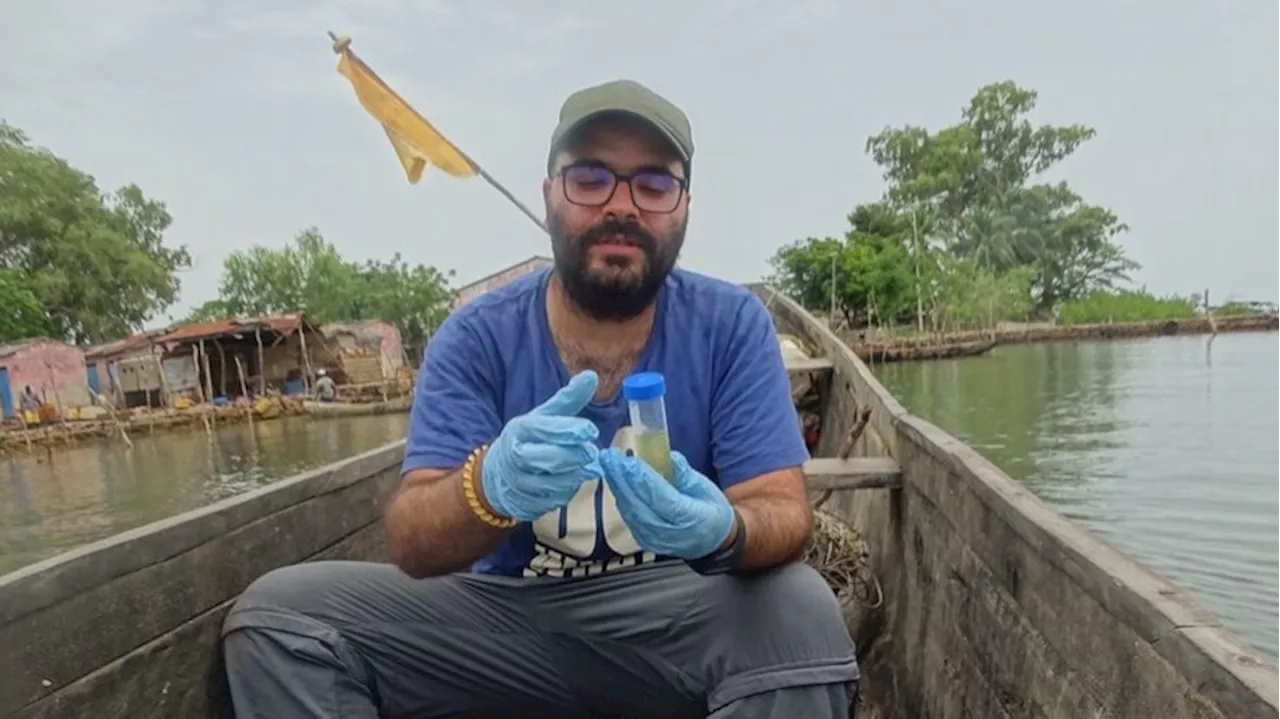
(900, 351)
(989, 604)
(351, 409)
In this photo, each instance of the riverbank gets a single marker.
(78, 425)
(124, 425)
(971, 343)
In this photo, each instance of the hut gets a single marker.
(365, 352)
(127, 371)
(501, 277)
(53, 369)
(200, 359)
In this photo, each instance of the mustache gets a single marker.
(628, 230)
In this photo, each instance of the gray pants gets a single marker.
(363, 640)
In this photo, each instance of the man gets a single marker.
(29, 403)
(325, 389)
(596, 587)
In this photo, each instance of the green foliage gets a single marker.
(95, 263)
(870, 266)
(1235, 308)
(1124, 306)
(310, 276)
(21, 315)
(971, 296)
(968, 217)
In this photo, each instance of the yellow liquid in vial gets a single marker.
(655, 449)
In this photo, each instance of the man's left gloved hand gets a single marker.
(688, 518)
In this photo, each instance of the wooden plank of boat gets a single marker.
(857, 473)
(813, 364)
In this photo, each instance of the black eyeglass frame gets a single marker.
(622, 179)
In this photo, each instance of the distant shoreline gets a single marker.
(971, 343)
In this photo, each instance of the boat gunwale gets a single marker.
(1177, 626)
(50, 581)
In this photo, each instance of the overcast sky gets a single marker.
(235, 116)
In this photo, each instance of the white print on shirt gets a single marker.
(568, 555)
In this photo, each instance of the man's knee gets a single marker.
(287, 599)
(280, 617)
(792, 598)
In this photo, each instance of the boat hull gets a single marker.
(129, 626)
(994, 604)
(354, 409)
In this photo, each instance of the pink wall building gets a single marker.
(55, 370)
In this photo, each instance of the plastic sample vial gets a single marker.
(644, 392)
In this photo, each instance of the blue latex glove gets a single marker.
(687, 518)
(541, 458)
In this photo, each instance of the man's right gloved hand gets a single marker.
(541, 458)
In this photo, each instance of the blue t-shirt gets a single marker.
(729, 408)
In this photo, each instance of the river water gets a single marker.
(1166, 448)
(54, 501)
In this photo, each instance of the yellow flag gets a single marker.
(416, 142)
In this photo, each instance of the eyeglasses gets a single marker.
(593, 186)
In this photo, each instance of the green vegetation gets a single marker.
(76, 263)
(88, 267)
(967, 232)
(310, 276)
(1124, 306)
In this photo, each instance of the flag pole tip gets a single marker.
(340, 42)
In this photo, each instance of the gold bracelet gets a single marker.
(473, 499)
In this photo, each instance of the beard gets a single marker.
(615, 297)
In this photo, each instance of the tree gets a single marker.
(975, 181)
(415, 298)
(21, 316)
(309, 275)
(97, 264)
(306, 276)
(870, 266)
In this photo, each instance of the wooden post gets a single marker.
(382, 369)
(306, 359)
(57, 399)
(195, 361)
(165, 396)
(262, 362)
(208, 376)
(204, 402)
(244, 390)
(208, 381)
(222, 368)
(120, 426)
(26, 429)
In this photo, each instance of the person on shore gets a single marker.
(30, 405)
(325, 389)
(539, 571)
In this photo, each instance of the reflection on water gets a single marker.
(54, 501)
(1169, 456)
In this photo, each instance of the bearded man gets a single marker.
(540, 571)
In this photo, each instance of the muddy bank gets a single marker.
(976, 342)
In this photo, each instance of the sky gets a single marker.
(233, 114)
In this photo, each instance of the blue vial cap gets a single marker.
(644, 385)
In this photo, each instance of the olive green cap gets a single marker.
(629, 97)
